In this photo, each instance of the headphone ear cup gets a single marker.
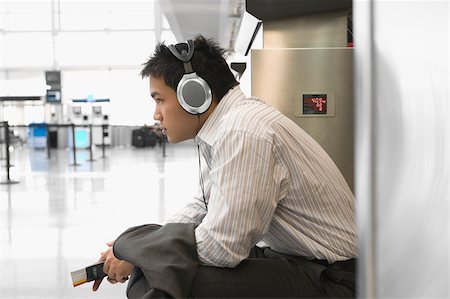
(194, 94)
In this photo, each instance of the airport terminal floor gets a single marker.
(58, 217)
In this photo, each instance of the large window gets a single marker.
(25, 15)
(112, 15)
(27, 49)
(82, 48)
(99, 47)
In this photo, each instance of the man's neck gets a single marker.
(204, 117)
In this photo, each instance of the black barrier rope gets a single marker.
(8, 164)
(72, 126)
(104, 128)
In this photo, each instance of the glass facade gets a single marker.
(92, 43)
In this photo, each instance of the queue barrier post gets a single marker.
(74, 147)
(91, 144)
(8, 164)
(164, 147)
(47, 132)
(103, 140)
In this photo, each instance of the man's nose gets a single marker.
(157, 115)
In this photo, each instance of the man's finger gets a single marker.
(123, 279)
(96, 285)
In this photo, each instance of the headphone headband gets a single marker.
(184, 56)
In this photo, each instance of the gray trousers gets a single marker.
(267, 274)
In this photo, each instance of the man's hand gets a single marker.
(117, 270)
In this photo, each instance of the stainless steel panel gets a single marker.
(307, 31)
(364, 151)
(402, 147)
(280, 75)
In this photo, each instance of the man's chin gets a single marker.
(172, 140)
(175, 140)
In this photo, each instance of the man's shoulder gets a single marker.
(252, 109)
(251, 115)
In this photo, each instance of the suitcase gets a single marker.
(150, 139)
(137, 138)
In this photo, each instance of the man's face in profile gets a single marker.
(177, 124)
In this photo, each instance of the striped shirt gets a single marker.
(266, 181)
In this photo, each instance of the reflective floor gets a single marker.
(58, 217)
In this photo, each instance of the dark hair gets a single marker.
(208, 62)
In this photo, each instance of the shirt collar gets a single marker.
(210, 127)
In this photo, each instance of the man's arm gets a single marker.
(118, 270)
(245, 181)
(193, 212)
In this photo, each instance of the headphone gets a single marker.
(193, 93)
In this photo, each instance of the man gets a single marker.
(276, 217)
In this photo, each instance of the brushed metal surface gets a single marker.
(279, 75)
(366, 211)
(402, 147)
(327, 29)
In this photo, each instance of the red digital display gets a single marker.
(315, 104)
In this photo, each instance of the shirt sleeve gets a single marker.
(245, 183)
(193, 212)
